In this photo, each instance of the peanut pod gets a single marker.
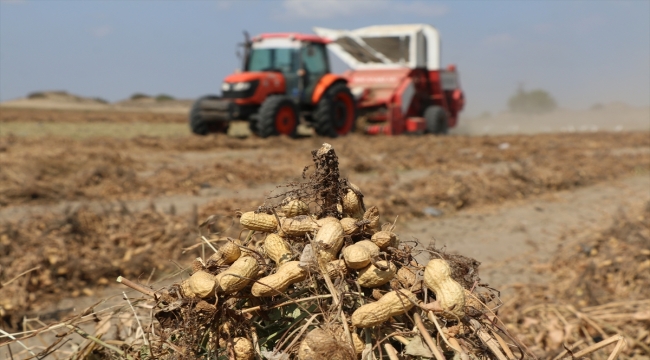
(449, 293)
(391, 304)
(322, 344)
(201, 284)
(297, 226)
(372, 276)
(227, 252)
(277, 249)
(385, 239)
(329, 239)
(372, 215)
(350, 226)
(237, 276)
(336, 268)
(406, 276)
(294, 208)
(259, 222)
(287, 274)
(243, 348)
(352, 205)
(358, 255)
(357, 344)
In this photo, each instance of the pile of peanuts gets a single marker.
(359, 269)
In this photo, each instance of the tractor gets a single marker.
(395, 84)
(285, 77)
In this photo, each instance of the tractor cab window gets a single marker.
(270, 59)
(314, 59)
(395, 48)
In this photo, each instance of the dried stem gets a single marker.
(85, 335)
(259, 307)
(568, 348)
(18, 341)
(504, 345)
(136, 286)
(487, 339)
(434, 320)
(209, 244)
(391, 352)
(617, 349)
(427, 338)
(302, 331)
(144, 336)
(18, 276)
(598, 346)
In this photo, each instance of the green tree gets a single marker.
(164, 97)
(138, 96)
(531, 102)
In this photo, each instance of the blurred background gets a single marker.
(545, 180)
(585, 54)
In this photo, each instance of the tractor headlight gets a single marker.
(241, 86)
(225, 87)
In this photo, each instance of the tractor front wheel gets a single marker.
(336, 112)
(436, 120)
(278, 116)
(198, 122)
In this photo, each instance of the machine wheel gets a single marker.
(201, 127)
(252, 126)
(278, 116)
(436, 119)
(335, 113)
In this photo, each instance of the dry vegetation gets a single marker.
(450, 173)
(598, 284)
(598, 288)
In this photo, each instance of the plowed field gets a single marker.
(77, 211)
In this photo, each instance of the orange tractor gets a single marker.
(395, 84)
(286, 77)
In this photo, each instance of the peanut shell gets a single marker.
(201, 284)
(449, 293)
(227, 252)
(277, 249)
(237, 276)
(385, 239)
(287, 274)
(243, 349)
(259, 222)
(391, 304)
(329, 239)
(294, 208)
(372, 277)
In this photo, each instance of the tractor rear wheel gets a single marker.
(336, 112)
(436, 119)
(278, 115)
(199, 124)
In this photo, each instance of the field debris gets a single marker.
(286, 290)
(599, 293)
(338, 298)
(318, 273)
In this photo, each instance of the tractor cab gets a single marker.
(285, 79)
(302, 61)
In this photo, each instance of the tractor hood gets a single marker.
(252, 87)
(249, 76)
(386, 46)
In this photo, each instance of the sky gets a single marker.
(581, 52)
